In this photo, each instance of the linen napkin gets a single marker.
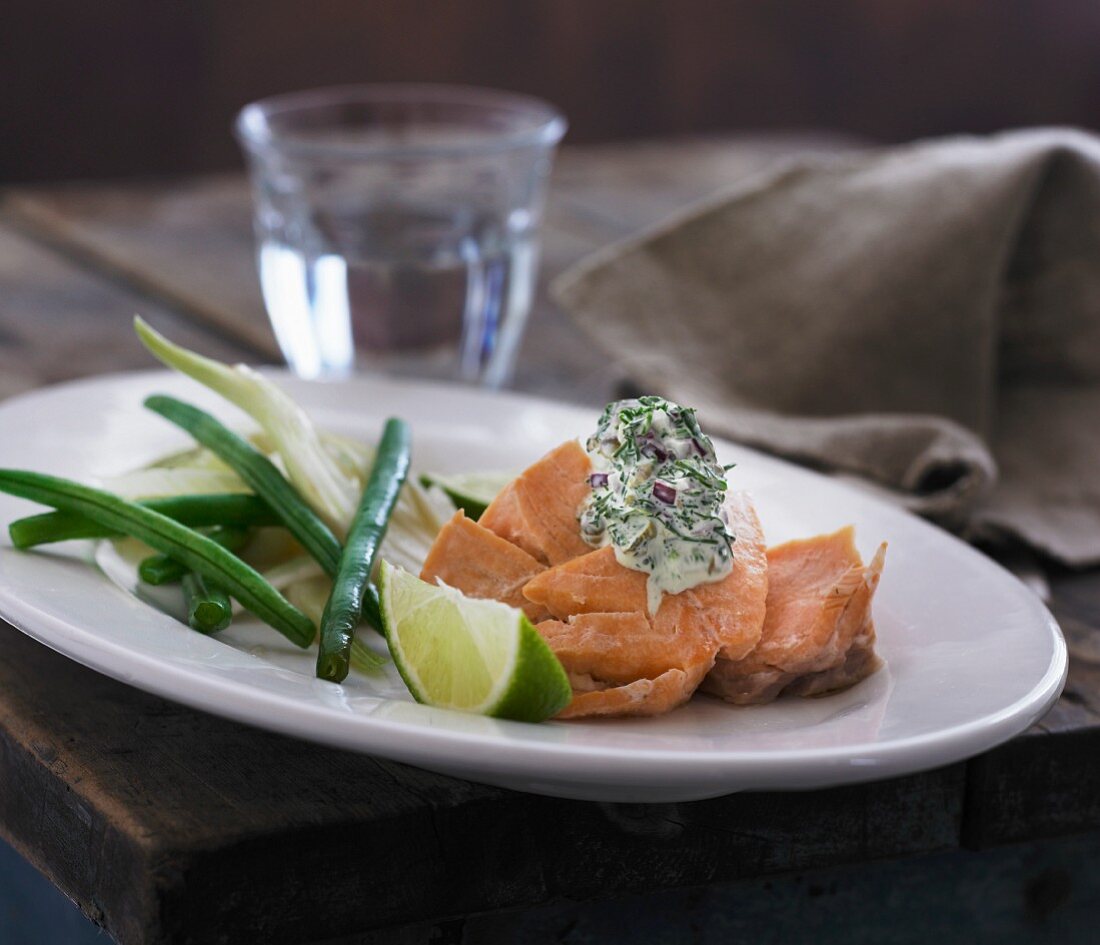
(926, 318)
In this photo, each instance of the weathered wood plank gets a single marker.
(1047, 782)
(1023, 894)
(188, 245)
(58, 322)
(128, 802)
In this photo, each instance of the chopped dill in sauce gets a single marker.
(657, 496)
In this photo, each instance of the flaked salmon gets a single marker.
(482, 564)
(641, 697)
(618, 648)
(728, 613)
(859, 662)
(538, 510)
(732, 683)
(818, 612)
(605, 637)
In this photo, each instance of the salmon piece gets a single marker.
(818, 606)
(594, 583)
(481, 564)
(623, 661)
(730, 682)
(819, 591)
(742, 596)
(859, 662)
(641, 697)
(503, 518)
(729, 613)
(618, 648)
(538, 511)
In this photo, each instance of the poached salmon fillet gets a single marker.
(818, 634)
(703, 604)
(538, 510)
(482, 564)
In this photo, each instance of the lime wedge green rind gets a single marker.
(535, 659)
(471, 492)
(471, 655)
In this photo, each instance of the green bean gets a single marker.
(259, 473)
(193, 510)
(345, 604)
(161, 569)
(164, 534)
(208, 607)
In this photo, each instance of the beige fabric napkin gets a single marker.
(926, 318)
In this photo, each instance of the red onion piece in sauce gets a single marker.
(665, 493)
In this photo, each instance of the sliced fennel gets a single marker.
(309, 595)
(330, 492)
(197, 457)
(364, 659)
(417, 518)
(329, 470)
(293, 571)
(160, 481)
(288, 577)
(352, 457)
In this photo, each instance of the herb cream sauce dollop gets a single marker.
(657, 496)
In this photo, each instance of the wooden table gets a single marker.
(168, 825)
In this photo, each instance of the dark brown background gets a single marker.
(133, 87)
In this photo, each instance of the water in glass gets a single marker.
(432, 291)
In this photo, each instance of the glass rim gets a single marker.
(253, 129)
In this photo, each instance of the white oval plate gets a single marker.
(972, 656)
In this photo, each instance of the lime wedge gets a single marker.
(478, 656)
(471, 492)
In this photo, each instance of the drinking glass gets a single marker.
(397, 225)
